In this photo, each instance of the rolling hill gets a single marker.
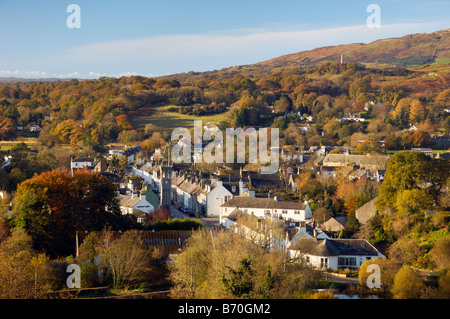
(410, 50)
(413, 49)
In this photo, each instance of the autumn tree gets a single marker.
(356, 193)
(19, 266)
(52, 206)
(208, 258)
(120, 260)
(64, 130)
(407, 284)
(123, 122)
(440, 253)
(369, 146)
(159, 214)
(412, 201)
(360, 87)
(127, 258)
(388, 269)
(7, 128)
(417, 111)
(419, 139)
(443, 98)
(283, 104)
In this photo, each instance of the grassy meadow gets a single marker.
(168, 120)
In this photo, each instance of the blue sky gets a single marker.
(153, 38)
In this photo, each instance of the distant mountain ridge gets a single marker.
(14, 79)
(413, 49)
(420, 48)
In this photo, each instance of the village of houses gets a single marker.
(227, 199)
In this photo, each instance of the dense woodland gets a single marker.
(83, 116)
(97, 112)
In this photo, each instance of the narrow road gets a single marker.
(175, 213)
(333, 277)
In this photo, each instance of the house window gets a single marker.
(307, 259)
(233, 188)
(267, 211)
(296, 212)
(284, 211)
(347, 261)
(323, 262)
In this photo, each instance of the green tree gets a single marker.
(268, 286)
(239, 282)
(407, 170)
(351, 227)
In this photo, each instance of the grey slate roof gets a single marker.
(129, 201)
(337, 247)
(267, 203)
(362, 160)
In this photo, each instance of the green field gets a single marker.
(167, 120)
(7, 145)
(442, 60)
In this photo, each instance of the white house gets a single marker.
(426, 151)
(356, 117)
(83, 163)
(123, 150)
(334, 253)
(132, 203)
(267, 207)
(214, 196)
(35, 128)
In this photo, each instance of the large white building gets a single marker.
(267, 207)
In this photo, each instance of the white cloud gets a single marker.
(21, 73)
(185, 52)
(198, 45)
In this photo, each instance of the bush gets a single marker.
(176, 224)
(55, 274)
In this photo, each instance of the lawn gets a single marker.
(167, 120)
